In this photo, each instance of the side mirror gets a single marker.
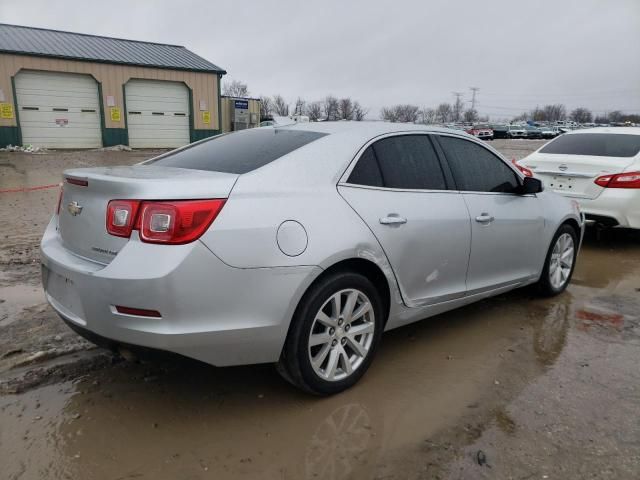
(530, 185)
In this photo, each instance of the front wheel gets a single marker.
(334, 334)
(560, 262)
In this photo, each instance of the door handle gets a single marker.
(484, 218)
(393, 219)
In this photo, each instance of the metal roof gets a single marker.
(79, 46)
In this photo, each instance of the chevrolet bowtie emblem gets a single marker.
(74, 208)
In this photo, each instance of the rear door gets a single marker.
(399, 188)
(506, 228)
(570, 164)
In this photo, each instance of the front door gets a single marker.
(505, 227)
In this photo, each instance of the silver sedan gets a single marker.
(299, 245)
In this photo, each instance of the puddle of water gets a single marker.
(15, 298)
(504, 375)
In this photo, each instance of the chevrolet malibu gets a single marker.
(299, 245)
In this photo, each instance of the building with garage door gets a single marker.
(71, 90)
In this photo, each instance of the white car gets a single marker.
(599, 167)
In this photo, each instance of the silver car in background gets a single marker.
(299, 245)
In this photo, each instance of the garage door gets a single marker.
(157, 113)
(58, 110)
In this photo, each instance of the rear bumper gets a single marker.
(615, 207)
(209, 311)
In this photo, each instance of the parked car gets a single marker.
(483, 132)
(516, 131)
(500, 131)
(299, 245)
(549, 131)
(533, 132)
(599, 167)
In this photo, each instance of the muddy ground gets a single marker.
(515, 387)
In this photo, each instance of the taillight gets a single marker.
(121, 217)
(60, 194)
(619, 180)
(168, 222)
(524, 170)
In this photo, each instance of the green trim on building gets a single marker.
(191, 115)
(9, 136)
(196, 135)
(219, 104)
(102, 118)
(115, 136)
(125, 140)
(15, 109)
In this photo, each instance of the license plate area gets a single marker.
(63, 290)
(561, 183)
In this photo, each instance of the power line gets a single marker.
(474, 91)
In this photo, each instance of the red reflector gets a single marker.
(619, 180)
(177, 222)
(77, 181)
(141, 312)
(121, 217)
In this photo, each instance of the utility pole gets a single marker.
(474, 91)
(457, 107)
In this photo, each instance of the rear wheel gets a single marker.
(334, 334)
(560, 261)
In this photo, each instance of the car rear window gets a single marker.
(239, 152)
(595, 144)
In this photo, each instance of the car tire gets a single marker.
(336, 357)
(559, 262)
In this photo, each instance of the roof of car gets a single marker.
(619, 130)
(368, 128)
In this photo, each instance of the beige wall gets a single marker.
(204, 86)
(227, 111)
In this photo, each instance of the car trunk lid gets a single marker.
(574, 175)
(87, 192)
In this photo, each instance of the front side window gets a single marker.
(595, 144)
(403, 162)
(476, 169)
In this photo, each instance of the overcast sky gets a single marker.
(518, 53)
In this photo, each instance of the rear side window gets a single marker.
(476, 169)
(367, 172)
(406, 162)
(409, 162)
(595, 144)
(239, 152)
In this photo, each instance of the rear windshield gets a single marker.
(596, 144)
(239, 152)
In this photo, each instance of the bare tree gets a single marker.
(400, 113)
(314, 111)
(300, 107)
(280, 106)
(345, 109)
(331, 108)
(581, 115)
(538, 114)
(428, 116)
(458, 108)
(471, 115)
(235, 89)
(616, 116)
(555, 112)
(358, 112)
(266, 107)
(444, 113)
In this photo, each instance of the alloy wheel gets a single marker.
(341, 335)
(561, 261)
